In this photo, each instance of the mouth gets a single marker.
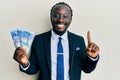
(60, 26)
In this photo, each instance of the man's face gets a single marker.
(61, 19)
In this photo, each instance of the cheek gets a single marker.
(54, 20)
(68, 22)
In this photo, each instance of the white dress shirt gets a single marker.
(54, 43)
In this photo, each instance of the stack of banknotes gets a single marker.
(22, 37)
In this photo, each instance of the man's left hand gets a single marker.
(92, 49)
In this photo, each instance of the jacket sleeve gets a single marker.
(88, 64)
(33, 62)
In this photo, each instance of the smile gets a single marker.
(60, 26)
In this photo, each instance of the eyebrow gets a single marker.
(63, 13)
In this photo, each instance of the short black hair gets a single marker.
(62, 3)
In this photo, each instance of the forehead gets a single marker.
(61, 8)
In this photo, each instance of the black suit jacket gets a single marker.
(40, 58)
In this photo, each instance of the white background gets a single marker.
(100, 17)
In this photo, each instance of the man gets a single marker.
(70, 48)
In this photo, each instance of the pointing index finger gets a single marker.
(88, 37)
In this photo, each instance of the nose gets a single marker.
(60, 19)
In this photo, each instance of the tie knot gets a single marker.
(60, 47)
(60, 38)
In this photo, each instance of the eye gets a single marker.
(65, 16)
(56, 16)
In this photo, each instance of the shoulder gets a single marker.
(78, 40)
(75, 36)
(42, 35)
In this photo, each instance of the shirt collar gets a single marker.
(55, 36)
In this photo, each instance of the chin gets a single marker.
(59, 32)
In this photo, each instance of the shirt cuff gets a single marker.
(25, 67)
(93, 59)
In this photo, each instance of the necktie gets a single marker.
(60, 61)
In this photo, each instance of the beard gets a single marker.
(60, 30)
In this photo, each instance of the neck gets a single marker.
(59, 33)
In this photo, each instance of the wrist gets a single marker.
(25, 65)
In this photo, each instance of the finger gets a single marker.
(88, 37)
(18, 52)
(20, 56)
(97, 49)
(94, 47)
(22, 48)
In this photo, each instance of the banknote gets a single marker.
(22, 37)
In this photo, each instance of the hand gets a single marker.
(20, 56)
(92, 49)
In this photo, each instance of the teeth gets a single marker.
(60, 25)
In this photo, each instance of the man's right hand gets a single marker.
(20, 55)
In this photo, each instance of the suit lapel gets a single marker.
(48, 49)
(71, 51)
